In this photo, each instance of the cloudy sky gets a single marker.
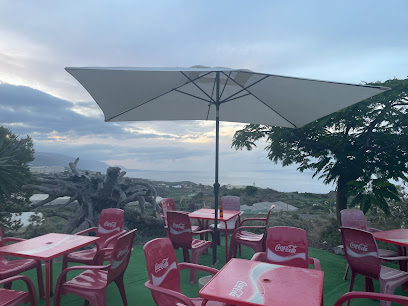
(345, 41)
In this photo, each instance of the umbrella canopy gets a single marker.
(144, 94)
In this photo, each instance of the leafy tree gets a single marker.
(360, 148)
(15, 154)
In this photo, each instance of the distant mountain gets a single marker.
(54, 159)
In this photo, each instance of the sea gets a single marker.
(284, 180)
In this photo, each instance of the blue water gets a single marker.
(286, 180)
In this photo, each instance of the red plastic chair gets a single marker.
(13, 297)
(167, 204)
(355, 218)
(403, 300)
(93, 282)
(249, 239)
(9, 268)
(109, 229)
(181, 236)
(361, 251)
(164, 274)
(287, 246)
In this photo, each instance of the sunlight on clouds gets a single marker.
(87, 111)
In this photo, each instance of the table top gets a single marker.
(245, 282)
(209, 214)
(396, 236)
(47, 246)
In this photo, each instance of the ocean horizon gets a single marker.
(284, 180)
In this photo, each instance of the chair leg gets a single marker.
(186, 255)
(346, 272)
(195, 258)
(121, 286)
(353, 276)
(57, 296)
(232, 250)
(386, 288)
(86, 303)
(40, 280)
(369, 286)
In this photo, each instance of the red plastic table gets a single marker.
(209, 214)
(47, 247)
(398, 237)
(245, 282)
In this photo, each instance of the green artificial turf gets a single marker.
(136, 275)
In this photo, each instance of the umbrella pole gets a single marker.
(216, 184)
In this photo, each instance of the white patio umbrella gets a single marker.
(235, 95)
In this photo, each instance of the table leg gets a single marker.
(226, 242)
(51, 282)
(47, 282)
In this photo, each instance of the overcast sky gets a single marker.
(346, 41)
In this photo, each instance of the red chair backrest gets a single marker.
(121, 255)
(287, 246)
(1, 238)
(231, 203)
(110, 222)
(361, 251)
(179, 229)
(167, 204)
(353, 218)
(162, 269)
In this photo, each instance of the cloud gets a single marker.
(56, 127)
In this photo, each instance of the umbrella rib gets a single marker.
(193, 81)
(225, 85)
(191, 95)
(250, 93)
(243, 88)
(165, 93)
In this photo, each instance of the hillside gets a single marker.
(54, 159)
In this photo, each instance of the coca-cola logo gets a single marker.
(161, 265)
(179, 225)
(110, 224)
(286, 248)
(123, 252)
(358, 246)
(237, 291)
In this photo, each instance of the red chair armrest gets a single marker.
(176, 295)
(394, 258)
(92, 229)
(403, 300)
(252, 219)
(315, 262)
(12, 239)
(100, 255)
(260, 256)
(187, 265)
(28, 282)
(206, 231)
(373, 230)
(116, 236)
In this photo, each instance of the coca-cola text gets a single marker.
(237, 290)
(123, 252)
(358, 246)
(110, 224)
(161, 265)
(286, 248)
(179, 225)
